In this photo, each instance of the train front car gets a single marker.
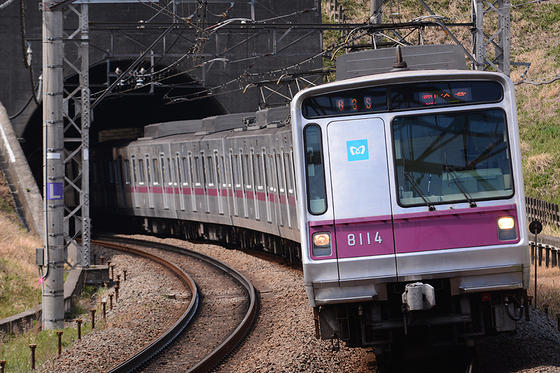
(412, 213)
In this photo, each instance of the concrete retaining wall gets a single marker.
(26, 193)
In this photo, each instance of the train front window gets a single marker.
(317, 202)
(452, 157)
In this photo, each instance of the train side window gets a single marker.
(246, 172)
(316, 192)
(134, 175)
(155, 171)
(148, 171)
(256, 158)
(164, 177)
(141, 171)
(281, 174)
(177, 168)
(185, 171)
(223, 178)
(209, 171)
(202, 170)
(289, 182)
(166, 167)
(127, 171)
(196, 171)
(172, 169)
(268, 179)
(235, 165)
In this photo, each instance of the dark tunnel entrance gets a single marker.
(130, 106)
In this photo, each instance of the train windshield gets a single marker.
(452, 157)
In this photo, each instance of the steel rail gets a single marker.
(225, 347)
(154, 348)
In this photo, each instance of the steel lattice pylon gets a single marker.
(76, 112)
(499, 40)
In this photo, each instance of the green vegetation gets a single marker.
(19, 278)
(17, 294)
(534, 38)
(15, 348)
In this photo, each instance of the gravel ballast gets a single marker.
(283, 339)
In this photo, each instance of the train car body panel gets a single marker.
(231, 182)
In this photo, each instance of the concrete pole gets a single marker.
(53, 173)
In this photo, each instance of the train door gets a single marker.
(360, 197)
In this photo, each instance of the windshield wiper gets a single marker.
(451, 171)
(419, 190)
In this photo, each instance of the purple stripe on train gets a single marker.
(451, 228)
(415, 232)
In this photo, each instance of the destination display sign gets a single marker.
(401, 97)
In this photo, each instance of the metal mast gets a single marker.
(499, 40)
(77, 115)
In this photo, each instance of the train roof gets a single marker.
(419, 57)
(272, 117)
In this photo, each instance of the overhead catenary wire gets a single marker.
(205, 32)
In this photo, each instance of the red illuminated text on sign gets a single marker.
(340, 104)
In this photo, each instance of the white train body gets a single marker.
(411, 204)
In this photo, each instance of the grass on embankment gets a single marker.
(19, 276)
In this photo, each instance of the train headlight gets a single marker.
(322, 244)
(506, 228)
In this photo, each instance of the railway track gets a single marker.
(206, 345)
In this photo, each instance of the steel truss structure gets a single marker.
(77, 115)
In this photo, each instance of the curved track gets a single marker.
(154, 349)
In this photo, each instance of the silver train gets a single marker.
(228, 179)
(404, 190)
(412, 213)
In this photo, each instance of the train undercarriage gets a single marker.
(224, 235)
(453, 320)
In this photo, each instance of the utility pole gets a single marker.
(53, 173)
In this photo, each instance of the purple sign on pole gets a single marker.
(55, 190)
